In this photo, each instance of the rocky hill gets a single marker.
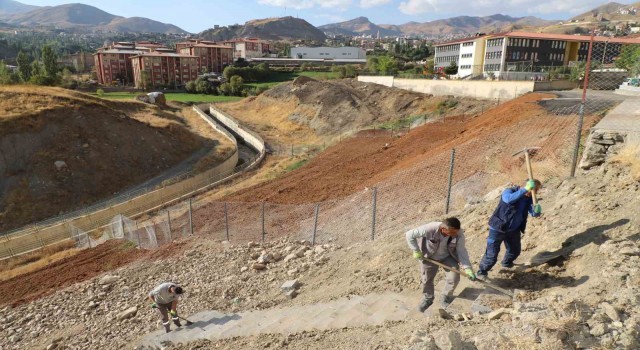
(611, 11)
(282, 28)
(9, 7)
(454, 25)
(359, 26)
(82, 17)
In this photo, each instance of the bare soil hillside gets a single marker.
(62, 150)
(333, 107)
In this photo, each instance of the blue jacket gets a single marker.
(511, 213)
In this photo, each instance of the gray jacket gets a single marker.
(161, 293)
(427, 239)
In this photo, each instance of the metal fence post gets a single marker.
(587, 68)
(122, 224)
(315, 224)
(292, 150)
(169, 220)
(226, 221)
(263, 233)
(138, 233)
(190, 218)
(453, 158)
(373, 214)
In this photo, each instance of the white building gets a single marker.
(470, 61)
(346, 52)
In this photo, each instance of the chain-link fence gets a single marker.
(552, 132)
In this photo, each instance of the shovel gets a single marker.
(188, 323)
(485, 283)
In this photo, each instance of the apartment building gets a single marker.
(504, 53)
(164, 69)
(250, 48)
(213, 57)
(113, 64)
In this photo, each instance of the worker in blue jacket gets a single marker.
(507, 224)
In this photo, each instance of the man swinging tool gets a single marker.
(165, 300)
(508, 223)
(443, 242)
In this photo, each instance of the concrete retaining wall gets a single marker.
(504, 90)
(554, 85)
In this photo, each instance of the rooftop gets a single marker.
(549, 36)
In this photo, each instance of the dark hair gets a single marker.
(452, 223)
(177, 290)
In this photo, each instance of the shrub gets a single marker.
(100, 92)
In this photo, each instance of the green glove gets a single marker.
(173, 313)
(418, 255)
(530, 185)
(537, 209)
(154, 306)
(469, 272)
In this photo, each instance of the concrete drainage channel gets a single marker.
(251, 151)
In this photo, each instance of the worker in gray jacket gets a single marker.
(443, 242)
(165, 300)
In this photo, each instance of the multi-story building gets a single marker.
(250, 48)
(113, 64)
(213, 57)
(81, 61)
(162, 69)
(515, 52)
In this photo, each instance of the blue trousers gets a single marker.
(494, 241)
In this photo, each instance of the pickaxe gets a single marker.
(529, 170)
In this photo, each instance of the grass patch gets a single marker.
(172, 96)
(400, 123)
(30, 262)
(629, 156)
(296, 165)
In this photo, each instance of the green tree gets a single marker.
(190, 87)
(5, 74)
(225, 89)
(387, 65)
(452, 69)
(50, 62)
(372, 64)
(236, 85)
(24, 66)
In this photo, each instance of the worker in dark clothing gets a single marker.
(507, 224)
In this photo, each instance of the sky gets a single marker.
(197, 15)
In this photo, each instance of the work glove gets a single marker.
(154, 306)
(537, 209)
(470, 274)
(173, 313)
(418, 255)
(530, 185)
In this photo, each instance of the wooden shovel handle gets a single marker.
(490, 285)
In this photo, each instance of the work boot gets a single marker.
(481, 275)
(176, 321)
(167, 326)
(508, 265)
(445, 301)
(426, 302)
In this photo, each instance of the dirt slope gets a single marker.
(106, 147)
(365, 160)
(333, 107)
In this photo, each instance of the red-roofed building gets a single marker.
(502, 53)
(160, 69)
(213, 57)
(112, 62)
